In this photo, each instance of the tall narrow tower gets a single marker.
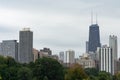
(94, 36)
(113, 45)
(25, 54)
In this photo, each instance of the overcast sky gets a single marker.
(59, 24)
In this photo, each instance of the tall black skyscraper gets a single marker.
(94, 38)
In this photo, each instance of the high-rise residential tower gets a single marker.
(94, 38)
(25, 54)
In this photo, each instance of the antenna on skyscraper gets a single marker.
(91, 17)
(96, 19)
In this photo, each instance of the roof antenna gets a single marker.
(96, 19)
(91, 17)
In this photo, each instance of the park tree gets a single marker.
(91, 71)
(104, 76)
(24, 73)
(76, 72)
(117, 76)
(48, 67)
(10, 61)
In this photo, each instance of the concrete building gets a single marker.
(61, 56)
(25, 54)
(117, 66)
(9, 48)
(106, 59)
(86, 61)
(69, 58)
(45, 52)
(36, 54)
(87, 43)
(113, 45)
(54, 57)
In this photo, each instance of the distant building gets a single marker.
(87, 43)
(9, 48)
(25, 54)
(106, 59)
(36, 54)
(54, 57)
(86, 61)
(45, 52)
(69, 58)
(113, 45)
(61, 56)
(94, 38)
(117, 66)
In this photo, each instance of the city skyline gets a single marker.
(59, 25)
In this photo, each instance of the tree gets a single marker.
(75, 72)
(24, 73)
(104, 76)
(117, 76)
(91, 71)
(10, 61)
(48, 67)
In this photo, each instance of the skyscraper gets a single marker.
(94, 38)
(113, 45)
(9, 48)
(106, 59)
(25, 54)
(69, 57)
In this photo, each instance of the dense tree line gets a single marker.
(49, 69)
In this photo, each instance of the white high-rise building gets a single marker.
(106, 59)
(69, 57)
(113, 45)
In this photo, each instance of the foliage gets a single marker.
(117, 76)
(91, 71)
(24, 73)
(104, 76)
(48, 67)
(75, 72)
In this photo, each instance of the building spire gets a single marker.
(96, 19)
(91, 17)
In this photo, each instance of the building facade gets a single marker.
(113, 45)
(25, 54)
(61, 57)
(9, 48)
(86, 61)
(94, 38)
(106, 59)
(45, 52)
(36, 54)
(69, 58)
